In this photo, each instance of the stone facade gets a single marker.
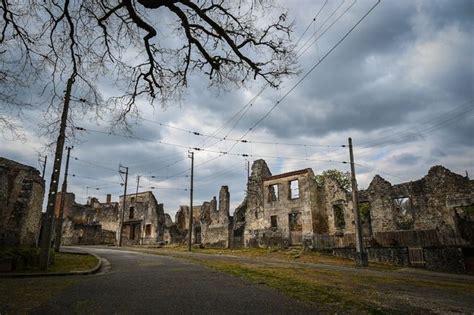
(172, 234)
(182, 222)
(21, 200)
(144, 219)
(91, 224)
(439, 201)
(216, 223)
(292, 208)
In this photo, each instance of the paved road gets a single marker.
(150, 284)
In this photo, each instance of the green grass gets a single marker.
(65, 262)
(20, 296)
(323, 297)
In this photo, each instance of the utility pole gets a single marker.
(248, 170)
(59, 225)
(123, 204)
(44, 165)
(53, 185)
(360, 256)
(138, 185)
(190, 231)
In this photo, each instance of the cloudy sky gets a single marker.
(401, 85)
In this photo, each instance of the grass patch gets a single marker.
(65, 262)
(20, 296)
(323, 297)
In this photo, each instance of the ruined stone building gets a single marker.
(280, 208)
(291, 207)
(172, 234)
(216, 222)
(21, 200)
(182, 222)
(89, 224)
(144, 219)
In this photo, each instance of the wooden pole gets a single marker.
(190, 231)
(53, 185)
(59, 225)
(123, 205)
(361, 256)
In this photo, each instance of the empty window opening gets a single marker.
(403, 204)
(274, 221)
(132, 232)
(148, 229)
(131, 213)
(294, 189)
(132, 200)
(294, 220)
(339, 221)
(273, 193)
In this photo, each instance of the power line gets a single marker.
(315, 32)
(327, 29)
(222, 153)
(311, 23)
(307, 73)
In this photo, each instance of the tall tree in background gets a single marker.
(145, 48)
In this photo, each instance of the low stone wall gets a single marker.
(268, 238)
(216, 237)
(88, 235)
(444, 259)
(392, 255)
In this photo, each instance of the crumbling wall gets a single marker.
(144, 219)
(339, 208)
(425, 204)
(238, 225)
(21, 200)
(182, 221)
(215, 222)
(255, 220)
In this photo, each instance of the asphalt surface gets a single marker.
(139, 283)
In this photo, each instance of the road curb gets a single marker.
(91, 271)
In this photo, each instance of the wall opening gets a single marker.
(273, 194)
(274, 221)
(403, 204)
(365, 218)
(294, 189)
(148, 230)
(339, 221)
(132, 232)
(131, 213)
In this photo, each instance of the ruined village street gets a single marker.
(174, 281)
(138, 283)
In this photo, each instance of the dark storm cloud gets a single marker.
(406, 70)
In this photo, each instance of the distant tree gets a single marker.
(342, 178)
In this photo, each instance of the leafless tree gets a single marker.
(145, 48)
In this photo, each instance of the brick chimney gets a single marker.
(109, 198)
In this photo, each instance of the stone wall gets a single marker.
(216, 227)
(392, 255)
(21, 200)
(284, 206)
(444, 259)
(182, 222)
(425, 204)
(144, 219)
(92, 223)
(337, 200)
(254, 216)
